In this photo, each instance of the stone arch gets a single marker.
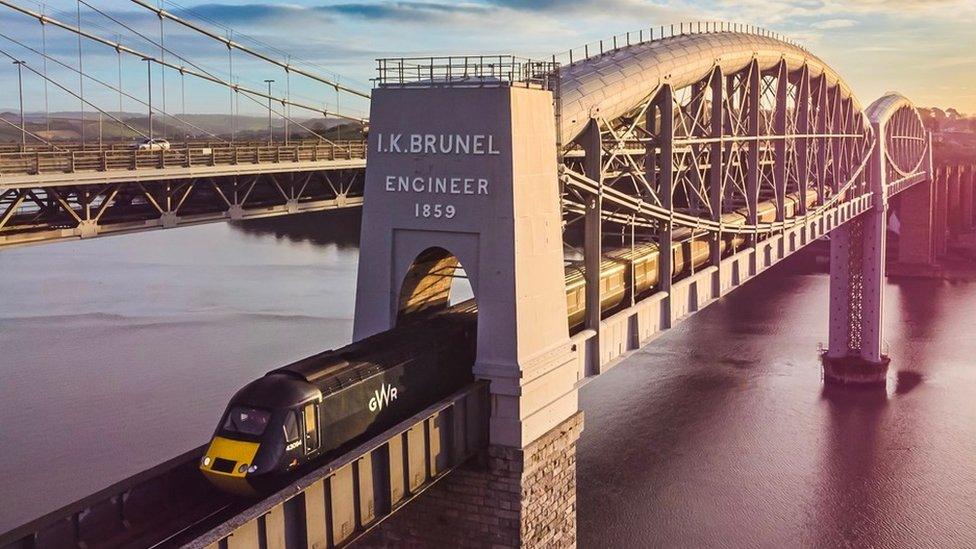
(428, 283)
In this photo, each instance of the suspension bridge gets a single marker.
(684, 161)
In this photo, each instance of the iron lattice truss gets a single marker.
(855, 298)
(905, 144)
(49, 213)
(746, 152)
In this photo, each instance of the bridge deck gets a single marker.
(46, 168)
(50, 195)
(330, 506)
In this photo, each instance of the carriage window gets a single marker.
(291, 427)
(248, 421)
(311, 432)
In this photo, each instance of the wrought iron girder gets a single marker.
(737, 139)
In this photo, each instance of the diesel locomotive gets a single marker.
(304, 410)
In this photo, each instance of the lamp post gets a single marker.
(20, 86)
(148, 61)
(270, 125)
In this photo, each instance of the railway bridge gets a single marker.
(682, 164)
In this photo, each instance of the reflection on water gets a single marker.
(121, 352)
(339, 228)
(720, 434)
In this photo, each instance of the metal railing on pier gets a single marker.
(464, 71)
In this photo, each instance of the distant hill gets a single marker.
(67, 126)
(953, 135)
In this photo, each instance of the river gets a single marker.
(119, 353)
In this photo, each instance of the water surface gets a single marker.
(119, 353)
(720, 434)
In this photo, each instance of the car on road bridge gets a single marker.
(154, 144)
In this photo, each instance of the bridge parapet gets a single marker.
(465, 71)
(61, 166)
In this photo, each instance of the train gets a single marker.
(690, 251)
(317, 405)
(313, 407)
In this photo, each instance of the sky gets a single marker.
(921, 48)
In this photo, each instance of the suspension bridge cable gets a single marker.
(177, 55)
(210, 78)
(47, 109)
(231, 44)
(56, 83)
(162, 55)
(113, 88)
(81, 80)
(295, 122)
(269, 47)
(30, 133)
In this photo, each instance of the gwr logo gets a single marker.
(383, 397)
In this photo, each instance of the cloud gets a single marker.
(834, 24)
(346, 35)
(250, 14)
(413, 11)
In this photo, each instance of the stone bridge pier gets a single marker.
(919, 215)
(466, 177)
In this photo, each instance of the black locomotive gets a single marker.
(309, 408)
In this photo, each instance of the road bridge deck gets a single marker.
(37, 169)
(50, 195)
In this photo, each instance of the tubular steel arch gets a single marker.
(905, 136)
(722, 132)
(707, 144)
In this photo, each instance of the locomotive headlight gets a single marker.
(252, 468)
(242, 468)
(206, 461)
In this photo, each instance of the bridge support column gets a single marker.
(88, 228)
(916, 240)
(484, 160)
(857, 276)
(854, 355)
(955, 203)
(966, 191)
(941, 221)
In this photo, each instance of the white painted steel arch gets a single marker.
(611, 84)
(896, 117)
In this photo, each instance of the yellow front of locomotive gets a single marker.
(227, 462)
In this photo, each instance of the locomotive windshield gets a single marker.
(248, 421)
(291, 427)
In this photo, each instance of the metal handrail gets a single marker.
(69, 161)
(663, 32)
(467, 71)
(128, 145)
